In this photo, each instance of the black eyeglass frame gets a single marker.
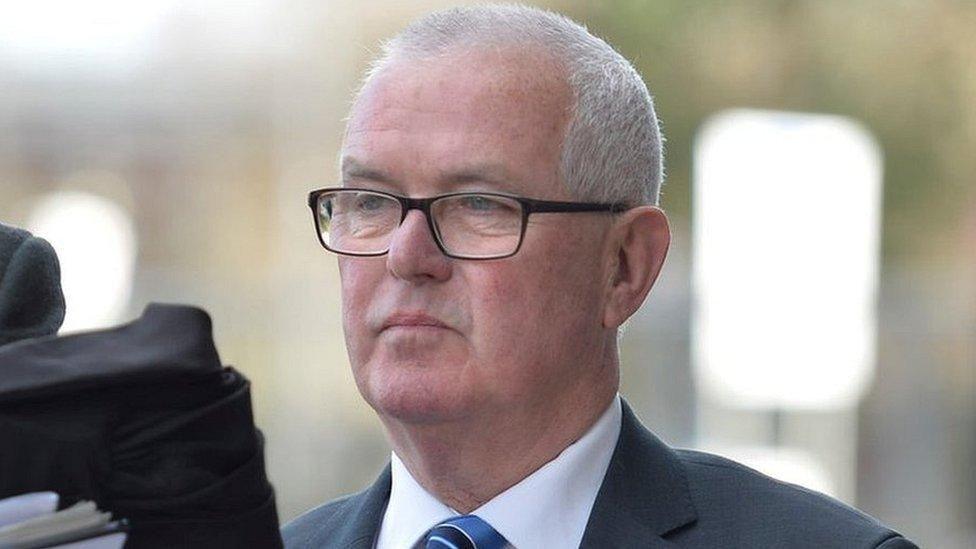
(529, 206)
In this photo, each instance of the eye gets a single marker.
(478, 203)
(370, 202)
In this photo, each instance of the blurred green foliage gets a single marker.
(905, 69)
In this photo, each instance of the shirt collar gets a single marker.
(549, 508)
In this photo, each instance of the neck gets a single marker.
(465, 464)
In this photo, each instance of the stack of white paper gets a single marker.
(31, 521)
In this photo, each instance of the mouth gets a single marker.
(412, 321)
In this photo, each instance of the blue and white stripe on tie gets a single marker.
(465, 532)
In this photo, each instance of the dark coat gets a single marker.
(144, 420)
(652, 496)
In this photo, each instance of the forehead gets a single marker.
(499, 113)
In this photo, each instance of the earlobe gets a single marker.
(639, 248)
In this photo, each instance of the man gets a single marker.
(496, 225)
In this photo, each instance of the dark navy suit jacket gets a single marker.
(653, 496)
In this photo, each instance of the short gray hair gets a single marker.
(612, 148)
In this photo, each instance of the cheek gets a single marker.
(360, 280)
(527, 316)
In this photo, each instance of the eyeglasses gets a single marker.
(466, 225)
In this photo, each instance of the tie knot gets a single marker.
(465, 532)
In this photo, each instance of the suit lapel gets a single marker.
(644, 494)
(365, 512)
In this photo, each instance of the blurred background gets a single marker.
(166, 148)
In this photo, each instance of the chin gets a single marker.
(416, 395)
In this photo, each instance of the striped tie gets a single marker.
(465, 532)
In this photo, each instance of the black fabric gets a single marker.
(144, 420)
(31, 301)
(652, 496)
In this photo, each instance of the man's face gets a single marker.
(435, 339)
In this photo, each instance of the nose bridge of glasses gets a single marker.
(422, 207)
(407, 204)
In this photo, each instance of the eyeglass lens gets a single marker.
(467, 225)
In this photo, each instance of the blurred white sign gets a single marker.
(786, 249)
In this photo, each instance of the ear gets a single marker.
(638, 245)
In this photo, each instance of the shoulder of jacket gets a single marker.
(722, 486)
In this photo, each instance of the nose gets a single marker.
(414, 255)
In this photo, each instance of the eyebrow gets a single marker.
(352, 168)
(481, 173)
(484, 172)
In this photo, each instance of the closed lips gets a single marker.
(413, 320)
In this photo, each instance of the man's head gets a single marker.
(517, 101)
(612, 147)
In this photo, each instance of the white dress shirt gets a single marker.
(546, 509)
